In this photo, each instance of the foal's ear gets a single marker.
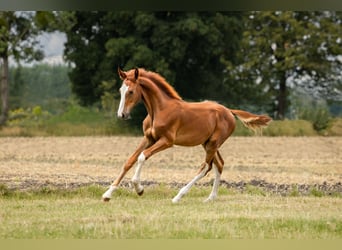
(136, 73)
(122, 74)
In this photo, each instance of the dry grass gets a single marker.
(65, 160)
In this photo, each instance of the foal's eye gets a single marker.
(130, 92)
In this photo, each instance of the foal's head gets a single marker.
(130, 92)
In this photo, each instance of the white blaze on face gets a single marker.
(123, 91)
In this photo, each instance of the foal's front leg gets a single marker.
(136, 177)
(158, 146)
(130, 162)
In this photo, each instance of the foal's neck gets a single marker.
(154, 99)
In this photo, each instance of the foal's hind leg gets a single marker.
(218, 162)
(211, 150)
(203, 171)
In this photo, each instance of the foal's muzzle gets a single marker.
(124, 116)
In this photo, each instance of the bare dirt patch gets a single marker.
(276, 164)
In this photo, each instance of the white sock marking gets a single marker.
(108, 193)
(213, 193)
(186, 188)
(136, 177)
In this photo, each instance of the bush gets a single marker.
(320, 117)
(76, 114)
(335, 127)
(22, 117)
(82, 121)
(280, 128)
(75, 121)
(290, 128)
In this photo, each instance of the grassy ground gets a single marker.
(80, 214)
(38, 198)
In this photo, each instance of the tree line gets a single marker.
(242, 59)
(42, 85)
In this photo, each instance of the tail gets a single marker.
(252, 121)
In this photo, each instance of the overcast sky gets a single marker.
(52, 43)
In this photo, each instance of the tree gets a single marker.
(18, 39)
(284, 49)
(85, 49)
(40, 84)
(188, 49)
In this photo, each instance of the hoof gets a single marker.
(105, 199)
(175, 201)
(209, 199)
(141, 192)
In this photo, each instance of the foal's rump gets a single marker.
(200, 120)
(206, 109)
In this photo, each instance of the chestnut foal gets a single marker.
(172, 121)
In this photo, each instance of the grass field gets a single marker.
(80, 214)
(51, 187)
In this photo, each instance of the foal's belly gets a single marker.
(195, 132)
(191, 139)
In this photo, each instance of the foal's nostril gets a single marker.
(123, 116)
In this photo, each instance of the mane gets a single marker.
(161, 83)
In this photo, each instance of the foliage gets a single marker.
(109, 101)
(18, 39)
(41, 84)
(187, 48)
(65, 117)
(308, 108)
(319, 116)
(290, 128)
(82, 121)
(33, 117)
(241, 59)
(76, 114)
(73, 121)
(335, 127)
(18, 34)
(280, 128)
(286, 48)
